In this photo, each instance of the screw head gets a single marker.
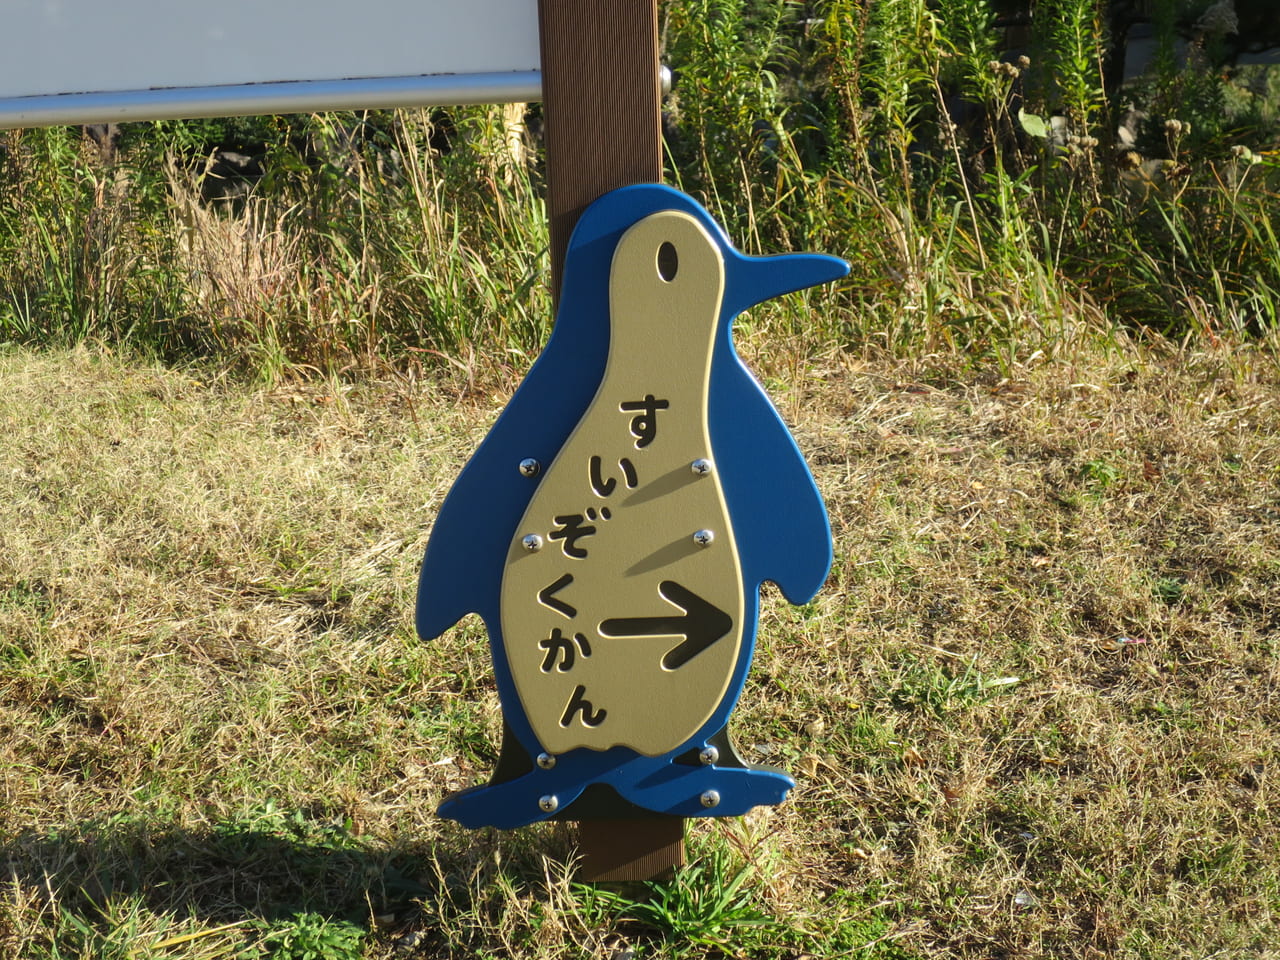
(530, 467)
(711, 798)
(532, 543)
(546, 761)
(550, 802)
(700, 467)
(709, 755)
(703, 538)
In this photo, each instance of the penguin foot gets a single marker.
(655, 784)
(515, 803)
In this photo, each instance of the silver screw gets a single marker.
(530, 467)
(550, 802)
(700, 467)
(710, 798)
(709, 755)
(546, 761)
(532, 543)
(703, 538)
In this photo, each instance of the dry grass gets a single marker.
(219, 737)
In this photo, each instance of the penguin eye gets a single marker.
(668, 261)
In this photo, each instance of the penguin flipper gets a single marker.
(468, 547)
(778, 516)
(779, 520)
(462, 567)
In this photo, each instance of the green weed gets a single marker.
(939, 689)
(712, 903)
(309, 936)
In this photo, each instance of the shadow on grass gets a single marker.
(277, 886)
(272, 874)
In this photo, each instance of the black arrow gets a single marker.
(701, 624)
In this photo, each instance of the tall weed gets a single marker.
(351, 253)
(77, 258)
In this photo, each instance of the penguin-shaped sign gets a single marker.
(615, 526)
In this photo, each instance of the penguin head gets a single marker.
(748, 280)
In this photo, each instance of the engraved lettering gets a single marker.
(580, 704)
(547, 597)
(644, 427)
(572, 529)
(559, 647)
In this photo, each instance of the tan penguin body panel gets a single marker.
(622, 595)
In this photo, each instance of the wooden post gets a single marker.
(601, 103)
(603, 128)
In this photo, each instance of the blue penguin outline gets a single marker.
(777, 513)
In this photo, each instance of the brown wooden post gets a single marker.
(601, 104)
(603, 129)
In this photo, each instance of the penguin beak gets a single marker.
(753, 280)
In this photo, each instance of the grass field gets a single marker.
(1034, 712)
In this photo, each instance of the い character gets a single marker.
(603, 486)
(621, 635)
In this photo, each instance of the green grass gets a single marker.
(221, 739)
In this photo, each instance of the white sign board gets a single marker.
(89, 61)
